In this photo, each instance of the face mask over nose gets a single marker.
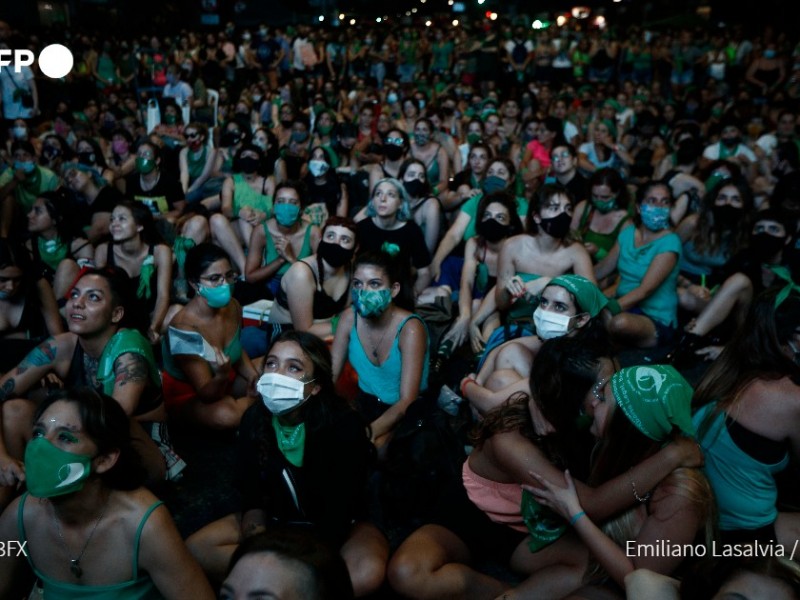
(280, 393)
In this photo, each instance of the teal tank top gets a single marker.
(382, 381)
(141, 587)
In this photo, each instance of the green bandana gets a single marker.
(544, 526)
(587, 295)
(784, 274)
(291, 440)
(654, 398)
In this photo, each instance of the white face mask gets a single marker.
(318, 168)
(281, 394)
(550, 325)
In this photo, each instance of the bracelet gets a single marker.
(640, 499)
(577, 516)
(465, 383)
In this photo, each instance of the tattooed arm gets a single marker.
(130, 380)
(36, 365)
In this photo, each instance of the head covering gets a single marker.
(654, 398)
(613, 104)
(588, 296)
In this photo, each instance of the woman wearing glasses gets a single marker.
(207, 375)
(646, 255)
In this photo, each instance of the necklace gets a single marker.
(375, 347)
(75, 563)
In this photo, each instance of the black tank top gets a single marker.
(324, 306)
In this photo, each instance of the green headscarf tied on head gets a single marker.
(612, 127)
(654, 398)
(613, 104)
(588, 296)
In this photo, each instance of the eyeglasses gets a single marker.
(394, 141)
(192, 134)
(561, 155)
(218, 278)
(597, 390)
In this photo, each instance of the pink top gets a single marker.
(500, 501)
(540, 153)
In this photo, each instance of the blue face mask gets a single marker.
(26, 166)
(493, 183)
(391, 98)
(217, 297)
(655, 218)
(371, 303)
(286, 214)
(769, 53)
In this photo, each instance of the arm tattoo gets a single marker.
(43, 354)
(130, 368)
(7, 389)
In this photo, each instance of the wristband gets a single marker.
(576, 517)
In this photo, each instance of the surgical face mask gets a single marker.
(217, 297)
(51, 471)
(286, 214)
(280, 393)
(145, 165)
(550, 325)
(371, 303)
(4, 295)
(391, 98)
(26, 166)
(19, 132)
(119, 146)
(256, 98)
(493, 183)
(299, 136)
(655, 218)
(558, 226)
(261, 144)
(318, 168)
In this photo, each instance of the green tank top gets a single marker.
(522, 309)
(271, 254)
(141, 587)
(52, 252)
(245, 196)
(603, 241)
(196, 165)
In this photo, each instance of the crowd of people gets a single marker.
(544, 234)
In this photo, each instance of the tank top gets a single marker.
(383, 380)
(271, 254)
(196, 165)
(146, 291)
(323, 307)
(141, 587)
(604, 241)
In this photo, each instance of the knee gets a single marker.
(406, 574)
(196, 228)
(619, 324)
(222, 415)
(367, 575)
(217, 222)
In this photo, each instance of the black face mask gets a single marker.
(731, 142)
(765, 246)
(558, 226)
(726, 215)
(492, 230)
(248, 164)
(415, 188)
(334, 254)
(393, 152)
(86, 158)
(286, 123)
(50, 152)
(230, 139)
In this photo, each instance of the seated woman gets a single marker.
(599, 220)
(747, 421)
(101, 352)
(431, 153)
(395, 149)
(137, 249)
(196, 162)
(387, 346)
(95, 200)
(314, 290)
(528, 261)
(603, 151)
(745, 275)
(208, 378)
(28, 310)
(498, 221)
(483, 517)
(388, 225)
(468, 182)
(327, 192)
(710, 238)
(425, 207)
(499, 176)
(89, 154)
(121, 159)
(646, 255)
(129, 545)
(569, 306)
(55, 246)
(295, 447)
(281, 240)
(634, 413)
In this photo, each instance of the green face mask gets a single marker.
(324, 129)
(145, 165)
(604, 206)
(170, 119)
(217, 297)
(50, 471)
(371, 303)
(473, 138)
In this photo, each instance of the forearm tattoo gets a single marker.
(7, 389)
(43, 354)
